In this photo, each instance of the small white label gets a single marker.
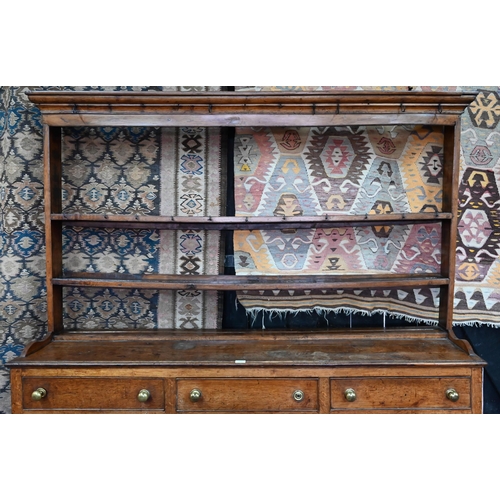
(240, 361)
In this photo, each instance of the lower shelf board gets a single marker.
(255, 373)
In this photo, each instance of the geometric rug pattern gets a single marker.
(297, 171)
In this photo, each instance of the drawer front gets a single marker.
(394, 393)
(248, 395)
(93, 393)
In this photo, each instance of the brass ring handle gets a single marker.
(143, 395)
(298, 396)
(452, 395)
(350, 395)
(195, 395)
(39, 394)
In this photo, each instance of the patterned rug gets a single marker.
(394, 159)
(195, 188)
(144, 171)
(312, 171)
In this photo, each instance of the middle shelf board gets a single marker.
(238, 283)
(246, 223)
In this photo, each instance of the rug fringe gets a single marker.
(476, 324)
(254, 312)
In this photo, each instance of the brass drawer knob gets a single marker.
(143, 395)
(350, 395)
(39, 394)
(195, 395)
(298, 396)
(452, 395)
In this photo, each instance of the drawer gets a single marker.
(92, 393)
(247, 395)
(402, 392)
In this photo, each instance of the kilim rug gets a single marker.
(313, 171)
(193, 188)
(363, 170)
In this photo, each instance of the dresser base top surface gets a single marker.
(272, 348)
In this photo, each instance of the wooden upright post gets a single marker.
(53, 229)
(451, 173)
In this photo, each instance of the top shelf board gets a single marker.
(249, 108)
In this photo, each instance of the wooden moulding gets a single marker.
(249, 108)
(252, 102)
(449, 370)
